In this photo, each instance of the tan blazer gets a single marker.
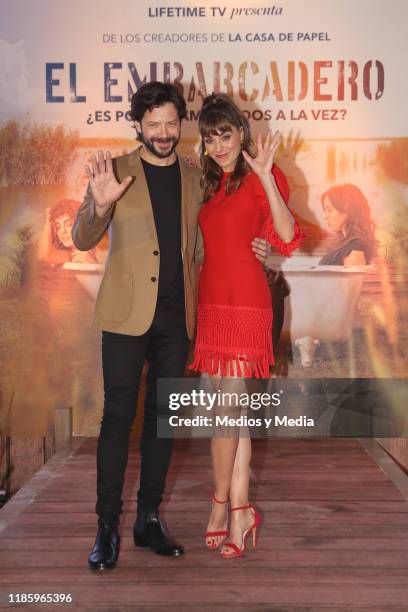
(127, 297)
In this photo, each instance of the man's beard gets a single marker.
(149, 144)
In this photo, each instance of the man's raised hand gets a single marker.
(105, 188)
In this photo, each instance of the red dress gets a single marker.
(234, 322)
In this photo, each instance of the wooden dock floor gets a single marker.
(334, 535)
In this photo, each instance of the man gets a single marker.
(145, 308)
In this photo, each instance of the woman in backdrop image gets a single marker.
(245, 197)
(347, 213)
(55, 246)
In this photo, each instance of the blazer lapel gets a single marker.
(185, 198)
(141, 191)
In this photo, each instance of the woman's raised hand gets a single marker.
(105, 188)
(265, 154)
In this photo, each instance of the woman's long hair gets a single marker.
(349, 200)
(60, 208)
(218, 114)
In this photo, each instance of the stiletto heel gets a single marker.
(215, 534)
(238, 551)
(254, 536)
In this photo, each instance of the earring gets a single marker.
(205, 152)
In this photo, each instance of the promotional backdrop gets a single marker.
(327, 74)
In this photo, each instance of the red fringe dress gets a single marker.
(234, 323)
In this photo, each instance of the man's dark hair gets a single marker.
(155, 94)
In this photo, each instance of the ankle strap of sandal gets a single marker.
(241, 507)
(220, 502)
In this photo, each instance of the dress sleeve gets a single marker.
(268, 230)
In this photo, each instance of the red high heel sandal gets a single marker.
(214, 534)
(237, 551)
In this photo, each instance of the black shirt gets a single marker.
(164, 183)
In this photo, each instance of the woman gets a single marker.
(234, 333)
(55, 245)
(347, 214)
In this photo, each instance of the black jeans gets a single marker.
(165, 346)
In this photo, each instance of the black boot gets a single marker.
(105, 552)
(148, 532)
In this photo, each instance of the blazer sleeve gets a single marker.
(199, 245)
(89, 227)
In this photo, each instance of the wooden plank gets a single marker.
(193, 540)
(272, 445)
(198, 607)
(306, 530)
(397, 448)
(198, 556)
(75, 489)
(5, 466)
(62, 426)
(282, 507)
(171, 574)
(270, 519)
(268, 473)
(49, 448)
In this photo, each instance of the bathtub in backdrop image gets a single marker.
(321, 304)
